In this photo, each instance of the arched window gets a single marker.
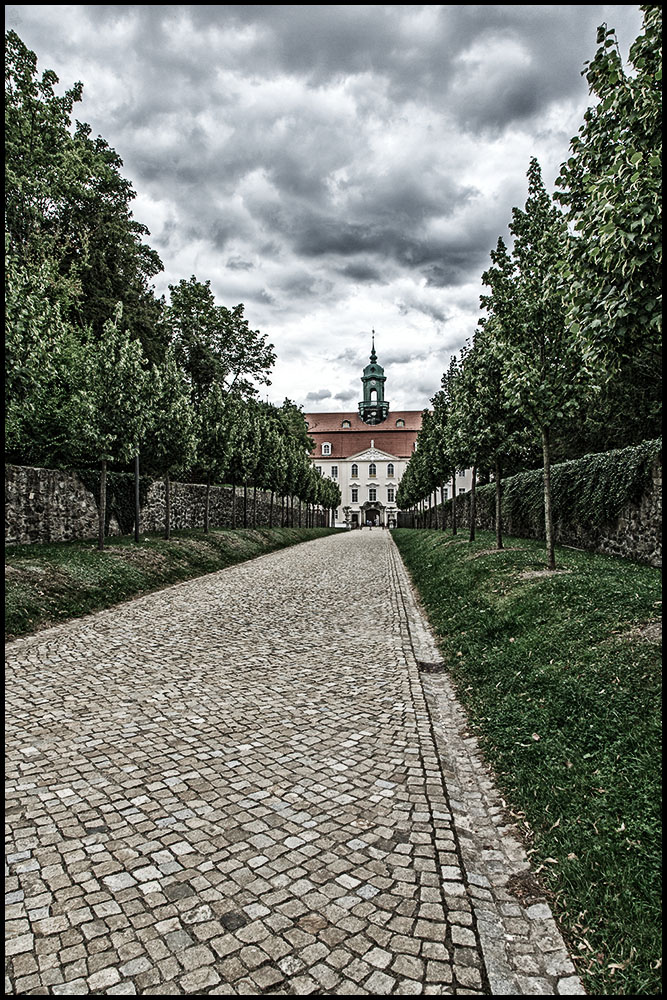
(326, 449)
(390, 469)
(400, 423)
(346, 423)
(355, 471)
(372, 471)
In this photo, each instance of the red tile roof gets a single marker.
(345, 442)
(333, 421)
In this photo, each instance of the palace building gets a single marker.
(366, 452)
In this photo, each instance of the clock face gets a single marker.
(373, 382)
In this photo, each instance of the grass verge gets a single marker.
(560, 676)
(46, 584)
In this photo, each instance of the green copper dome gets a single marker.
(373, 408)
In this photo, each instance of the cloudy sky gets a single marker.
(335, 168)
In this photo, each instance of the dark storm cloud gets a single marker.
(317, 159)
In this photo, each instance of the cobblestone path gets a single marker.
(239, 785)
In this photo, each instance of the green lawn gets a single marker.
(560, 675)
(46, 584)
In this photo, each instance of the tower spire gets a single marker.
(374, 356)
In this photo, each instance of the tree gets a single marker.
(545, 370)
(214, 344)
(171, 440)
(44, 369)
(213, 447)
(115, 399)
(67, 202)
(611, 188)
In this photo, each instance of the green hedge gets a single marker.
(591, 491)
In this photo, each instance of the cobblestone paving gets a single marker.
(239, 786)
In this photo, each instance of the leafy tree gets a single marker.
(213, 446)
(214, 344)
(115, 400)
(611, 188)
(171, 440)
(44, 370)
(545, 371)
(67, 202)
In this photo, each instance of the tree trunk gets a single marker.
(454, 502)
(103, 505)
(245, 505)
(499, 518)
(442, 501)
(548, 514)
(233, 505)
(271, 509)
(207, 503)
(300, 511)
(167, 507)
(254, 506)
(473, 503)
(137, 505)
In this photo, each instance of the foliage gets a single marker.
(67, 202)
(171, 439)
(115, 395)
(214, 344)
(590, 491)
(611, 188)
(568, 712)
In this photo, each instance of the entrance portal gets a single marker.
(373, 516)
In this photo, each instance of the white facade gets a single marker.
(368, 483)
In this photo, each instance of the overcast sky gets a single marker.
(335, 168)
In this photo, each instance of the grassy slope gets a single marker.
(45, 584)
(566, 700)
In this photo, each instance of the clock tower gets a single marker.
(373, 408)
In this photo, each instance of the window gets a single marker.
(318, 468)
(390, 469)
(334, 472)
(372, 493)
(355, 471)
(326, 449)
(390, 495)
(355, 495)
(445, 492)
(461, 489)
(400, 423)
(346, 423)
(372, 471)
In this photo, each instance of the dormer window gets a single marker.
(346, 423)
(326, 449)
(400, 423)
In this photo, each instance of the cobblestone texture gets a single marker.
(239, 786)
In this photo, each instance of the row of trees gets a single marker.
(100, 370)
(567, 354)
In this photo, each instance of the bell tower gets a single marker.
(373, 408)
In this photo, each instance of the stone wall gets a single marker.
(635, 534)
(47, 505)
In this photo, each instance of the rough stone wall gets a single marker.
(46, 505)
(635, 534)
